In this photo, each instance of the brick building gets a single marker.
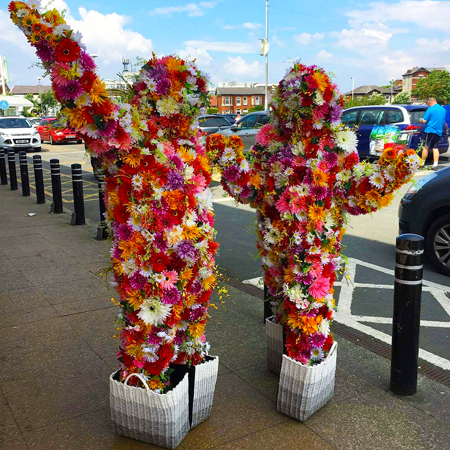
(412, 76)
(238, 100)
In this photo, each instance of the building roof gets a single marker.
(35, 90)
(6, 89)
(368, 88)
(241, 90)
(418, 69)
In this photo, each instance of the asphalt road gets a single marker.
(365, 302)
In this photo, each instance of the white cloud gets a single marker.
(307, 38)
(221, 46)
(277, 41)
(362, 41)
(245, 26)
(324, 55)
(192, 9)
(11, 34)
(241, 70)
(202, 57)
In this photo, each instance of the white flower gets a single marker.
(324, 327)
(146, 271)
(92, 130)
(205, 199)
(228, 154)
(244, 166)
(59, 30)
(167, 106)
(346, 140)
(151, 85)
(319, 98)
(153, 312)
(377, 180)
(137, 182)
(317, 354)
(298, 148)
(297, 237)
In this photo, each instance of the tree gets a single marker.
(374, 99)
(404, 98)
(48, 101)
(256, 108)
(436, 84)
(212, 111)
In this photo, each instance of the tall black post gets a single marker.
(24, 178)
(102, 232)
(39, 179)
(12, 170)
(267, 306)
(78, 217)
(406, 319)
(3, 175)
(57, 205)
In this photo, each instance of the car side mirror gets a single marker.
(234, 128)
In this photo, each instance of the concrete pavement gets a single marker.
(57, 351)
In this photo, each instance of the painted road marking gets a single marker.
(223, 199)
(362, 323)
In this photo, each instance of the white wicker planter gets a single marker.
(159, 419)
(303, 390)
(274, 335)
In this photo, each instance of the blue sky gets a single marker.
(370, 41)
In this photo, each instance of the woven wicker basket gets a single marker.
(274, 335)
(159, 419)
(303, 390)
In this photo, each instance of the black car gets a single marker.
(212, 123)
(425, 210)
(230, 117)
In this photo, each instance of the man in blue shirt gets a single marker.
(434, 119)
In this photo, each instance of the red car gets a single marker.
(50, 129)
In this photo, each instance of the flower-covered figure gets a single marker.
(159, 208)
(304, 177)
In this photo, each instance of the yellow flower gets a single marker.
(186, 274)
(386, 200)
(209, 282)
(75, 117)
(135, 299)
(191, 233)
(155, 384)
(196, 330)
(289, 275)
(316, 213)
(321, 80)
(320, 178)
(133, 159)
(307, 325)
(98, 92)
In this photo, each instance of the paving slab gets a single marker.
(91, 304)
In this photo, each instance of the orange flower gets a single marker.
(191, 233)
(320, 178)
(316, 213)
(289, 275)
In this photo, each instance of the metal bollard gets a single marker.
(39, 179)
(24, 177)
(3, 175)
(57, 204)
(102, 232)
(406, 319)
(12, 170)
(267, 307)
(78, 199)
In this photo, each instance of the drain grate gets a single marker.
(357, 337)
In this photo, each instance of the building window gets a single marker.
(227, 101)
(244, 101)
(253, 100)
(238, 111)
(223, 100)
(238, 101)
(256, 100)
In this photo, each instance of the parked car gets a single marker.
(52, 130)
(18, 133)
(405, 117)
(247, 127)
(230, 117)
(425, 210)
(34, 121)
(213, 123)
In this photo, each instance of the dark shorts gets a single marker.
(431, 140)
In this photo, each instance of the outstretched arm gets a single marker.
(82, 94)
(368, 187)
(240, 177)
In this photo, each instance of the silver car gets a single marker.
(247, 127)
(213, 124)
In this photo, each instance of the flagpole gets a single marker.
(266, 100)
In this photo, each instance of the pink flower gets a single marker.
(170, 278)
(283, 202)
(320, 287)
(266, 135)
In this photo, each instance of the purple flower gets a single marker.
(70, 91)
(197, 313)
(86, 61)
(163, 86)
(171, 296)
(195, 288)
(331, 159)
(319, 192)
(317, 340)
(159, 242)
(336, 113)
(185, 250)
(179, 337)
(286, 153)
(44, 51)
(116, 252)
(137, 281)
(231, 173)
(153, 339)
(124, 232)
(158, 72)
(175, 181)
(246, 192)
(176, 160)
(108, 129)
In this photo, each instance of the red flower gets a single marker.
(87, 80)
(67, 50)
(351, 160)
(160, 261)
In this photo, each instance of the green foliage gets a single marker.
(256, 108)
(374, 99)
(404, 98)
(436, 84)
(212, 111)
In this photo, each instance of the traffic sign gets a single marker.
(4, 104)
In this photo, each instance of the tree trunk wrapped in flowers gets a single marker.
(303, 176)
(159, 206)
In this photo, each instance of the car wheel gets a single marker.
(79, 141)
(438, 244)
(52, 142)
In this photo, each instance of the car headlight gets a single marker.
(5, 135)
(34, 133)
(417, 185)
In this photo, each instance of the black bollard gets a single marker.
(24, 178)
(406, 319)
(3, 175)
(267, 306)
(39, 179)
(12, 170)
(102, 232)
(78, 199)
(57, 204)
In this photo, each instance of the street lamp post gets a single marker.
(392, 88)
(353, 86)
(40, 93)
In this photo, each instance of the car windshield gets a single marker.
(416, 114)
(212, 122)
(14, 123)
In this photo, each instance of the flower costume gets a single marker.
(304, 177)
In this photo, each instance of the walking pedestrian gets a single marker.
(434, 119)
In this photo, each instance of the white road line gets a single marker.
(223, 200)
